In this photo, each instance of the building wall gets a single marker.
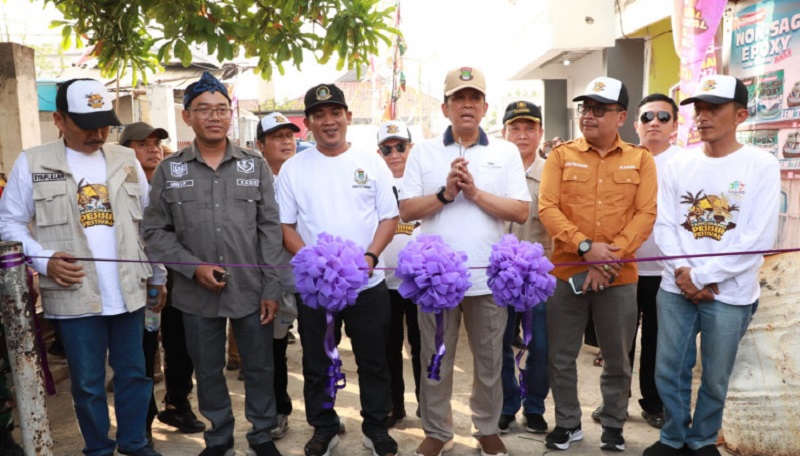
(663, 62)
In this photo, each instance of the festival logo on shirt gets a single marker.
(94, 205)
(407, 228)
(709, 216)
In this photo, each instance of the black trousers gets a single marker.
(366, 324)
(402, 311)
(646, 292)
(178, 367)
(283, 403)
(150, 346)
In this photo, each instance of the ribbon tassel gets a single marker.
(434, 369)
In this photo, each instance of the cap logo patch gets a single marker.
(599, 86)
(281, 119)
(522, 111)
(521, 105)
(94, 101)
(466, 74)
(392, 129)
(709, 85)
(323, 93)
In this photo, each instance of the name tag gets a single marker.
(247, 182)
(48, 177)
(180, 184)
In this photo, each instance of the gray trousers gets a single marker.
(485, 323)
(615, 313)
(205, 340)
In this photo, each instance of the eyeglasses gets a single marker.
(386, 150)
(597, 110)
(662, 116)
(206, 112)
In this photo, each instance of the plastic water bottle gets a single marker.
(152, 319)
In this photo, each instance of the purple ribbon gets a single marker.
(336, 379)
(435, 366)
(527, 331)
(18, 259)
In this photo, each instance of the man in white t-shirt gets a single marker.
(394, 145)
(464, 188)
(78, 197)
(343, 191)
(720, 197)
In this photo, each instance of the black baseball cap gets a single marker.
(323, 94)
(522, 110)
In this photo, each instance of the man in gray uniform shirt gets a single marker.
(213, 203)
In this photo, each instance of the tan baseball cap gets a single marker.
(464, 78)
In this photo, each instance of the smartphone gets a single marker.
(221, 276)
(576, 281)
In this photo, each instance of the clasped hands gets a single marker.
(459, 180)
(683, 279)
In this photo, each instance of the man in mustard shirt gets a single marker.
(598, 202)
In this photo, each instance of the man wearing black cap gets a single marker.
(598, 201)
(522, 125)
(720, 197)
(84, 199)
(214, 204)
(462, 178)
(345, 192)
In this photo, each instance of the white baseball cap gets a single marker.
(605, 90)
(719, 89)
(87, 103)
(393, 129)
(272, 122)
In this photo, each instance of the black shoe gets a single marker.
(661, 449)
(240, 377)
(505, 423)
(220, 450)
(320, 444)
(708, 450)
(612, 439)
(264, 449)
(144, 451)
(596, 414)
(561, 437)
(185, 421)
(394, 417)
(654, 419)
(381, 444)
(534, 423)
(8, 447)
(57, 349)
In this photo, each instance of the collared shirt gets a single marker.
(533, 230)
(223, 216)
(609, 199)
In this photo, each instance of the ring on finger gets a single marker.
(601, 288)
(606, 267)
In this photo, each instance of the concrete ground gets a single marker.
(637, 433)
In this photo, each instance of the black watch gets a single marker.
(441, 197)
(584, 247)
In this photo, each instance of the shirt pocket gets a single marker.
(245, 204)
(574, 185)
(185, 207)
(626, 183)
(52, 203)
(133, 190)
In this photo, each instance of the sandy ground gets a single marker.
(638, 434)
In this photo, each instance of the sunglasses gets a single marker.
(386, 150)
(596, 110)
(662, 116)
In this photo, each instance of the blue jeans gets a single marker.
(721, 327)
(86, 341)
(535, 365)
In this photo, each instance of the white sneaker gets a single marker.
(283, 424)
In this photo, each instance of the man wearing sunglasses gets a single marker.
(719, 197)
(464, 187)
(394, 146)
(598, 201)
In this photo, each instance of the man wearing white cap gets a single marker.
(84, 199)
(394, 146)
(598, 201)
(720, 197)
(276, 141)
(450, 182)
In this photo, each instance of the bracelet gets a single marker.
(374, 258)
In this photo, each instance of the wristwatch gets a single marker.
(441, 197)
(584, 247)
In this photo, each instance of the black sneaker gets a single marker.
(708, 450)
(321, 444)
(263, 449)
(381, 445)
(655, 419)
(662, 449)
(185, 420)
(144, 451)
(561, 437)
(220, 450)
(505, 423)
(534, 423)
(612, 439)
